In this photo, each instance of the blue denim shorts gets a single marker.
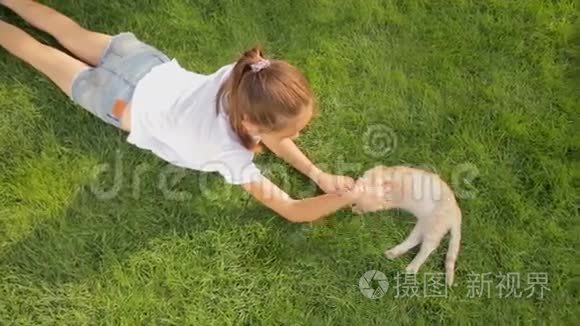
(124, 62)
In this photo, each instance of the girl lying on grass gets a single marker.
(203, 122)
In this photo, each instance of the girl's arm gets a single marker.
(304, 210)
(289, 152)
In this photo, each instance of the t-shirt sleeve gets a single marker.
(237, 167)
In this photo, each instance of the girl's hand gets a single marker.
(332, 184)
(355, 193)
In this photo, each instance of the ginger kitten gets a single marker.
(424, 195)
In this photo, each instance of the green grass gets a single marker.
(490, 84)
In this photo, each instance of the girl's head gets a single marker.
(266, 98)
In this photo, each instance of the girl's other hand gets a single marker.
(332, 184)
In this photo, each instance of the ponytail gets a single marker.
(266, 93)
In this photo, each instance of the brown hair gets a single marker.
(269, 98)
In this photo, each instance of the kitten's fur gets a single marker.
(424, 195)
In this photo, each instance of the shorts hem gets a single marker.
(74, 82)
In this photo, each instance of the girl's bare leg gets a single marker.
(86, 45)
(56, 65)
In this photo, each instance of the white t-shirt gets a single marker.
(173, 114)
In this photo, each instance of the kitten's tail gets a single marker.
(452, 252)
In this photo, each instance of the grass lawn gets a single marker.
(93, 230)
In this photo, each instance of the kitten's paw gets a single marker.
(390, 254)
(411, 269)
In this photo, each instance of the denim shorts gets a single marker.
(124, 62)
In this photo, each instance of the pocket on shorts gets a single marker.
(135, 67)
(127, 45)
(130, 58)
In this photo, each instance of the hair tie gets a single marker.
(260, 65)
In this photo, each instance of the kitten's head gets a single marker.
(377, 192)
